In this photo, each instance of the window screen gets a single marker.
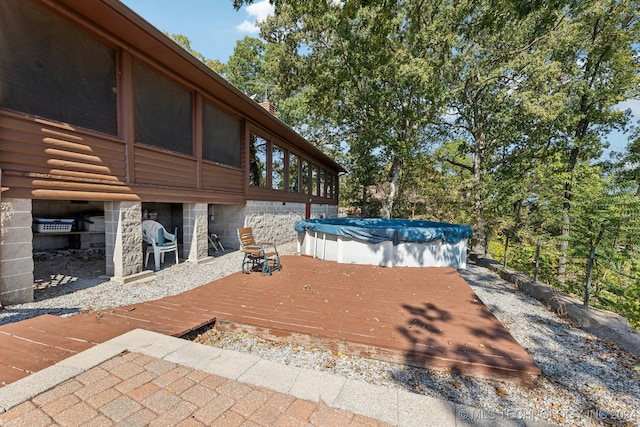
(322, 183)
(315, 180)
(257, 161)
(333, 180)
(294, 173)
(50, 68)
(306, 186)
(277, 168)
(222, 136)
(163, 111)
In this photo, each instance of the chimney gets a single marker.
(268, 106)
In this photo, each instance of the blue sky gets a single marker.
(212, 26)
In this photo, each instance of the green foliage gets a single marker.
(184, 41)
(480, 112)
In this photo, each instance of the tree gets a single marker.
(246, 69)
(184, 41)
(599, 51)
(627, 166)
(356, 69)
(492, 69)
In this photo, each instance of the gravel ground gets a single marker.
(585, 381)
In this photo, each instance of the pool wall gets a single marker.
(351, 250)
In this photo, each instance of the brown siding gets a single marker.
(37, 147)
(221, 178)
(153, 166)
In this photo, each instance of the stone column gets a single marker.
(195, 222)
(16, 251)
(123, 236)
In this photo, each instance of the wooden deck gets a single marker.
(425, 317)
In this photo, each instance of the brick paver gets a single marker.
(168, 394)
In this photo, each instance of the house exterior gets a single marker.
(103, 115)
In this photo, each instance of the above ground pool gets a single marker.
(385, 242)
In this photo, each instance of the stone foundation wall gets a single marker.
(123, 236)
(226, 220)
(16, 251)
(271, 221)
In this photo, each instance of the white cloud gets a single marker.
(257, 12)
(247, 27)
(260, 10)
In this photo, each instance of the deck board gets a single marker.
(428, 317)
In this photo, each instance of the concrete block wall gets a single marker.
(195, 225)
(226, 220)
(324, 211)
(167, 214)
(16, 251)
(271, 221)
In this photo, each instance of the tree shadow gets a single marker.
(593, 375)
(426, 331)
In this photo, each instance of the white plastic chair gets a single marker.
(160, 240)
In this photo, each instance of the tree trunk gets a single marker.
(519, 205)
(480, 233)
(364, 208)
(566, 208)
(391, 189)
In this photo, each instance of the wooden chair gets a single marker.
(257, 255)
(160, 241)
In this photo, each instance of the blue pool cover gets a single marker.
(377, 230)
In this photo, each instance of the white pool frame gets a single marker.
(346, 250)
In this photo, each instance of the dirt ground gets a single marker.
(56, 268)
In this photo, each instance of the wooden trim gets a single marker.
(161, 153)
(198, 114)
(263, 194)
(269, 165)
(246, 133)
(127, 112)
(285, 178)
(221, 165)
